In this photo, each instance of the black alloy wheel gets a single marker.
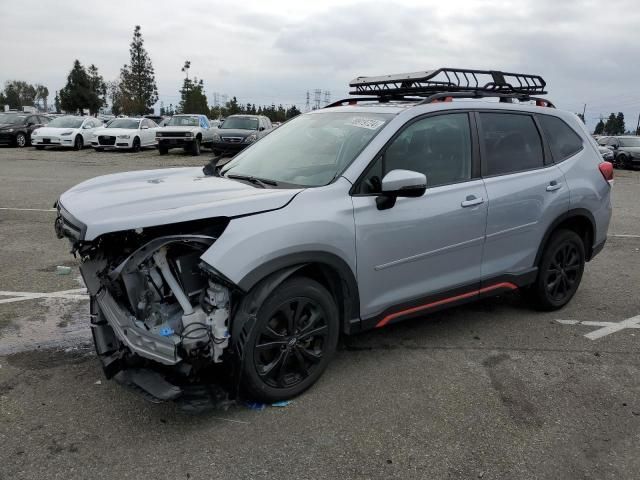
(292, 341)
(560, 270)
(290, 345)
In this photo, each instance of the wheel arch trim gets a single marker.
(574, 213)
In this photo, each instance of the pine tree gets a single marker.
(620, 127)
(611, 126)
(193, 99)
(137, 80)
(83, 90)
(599, 130)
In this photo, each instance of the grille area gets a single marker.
(172, 134)
(106, 140)
(232, 139)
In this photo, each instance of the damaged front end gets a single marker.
(159, 316)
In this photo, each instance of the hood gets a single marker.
(177, 128)
(125, 201)
(11, 125)
(234, 132)
(115, 131)
(44, 131)
(629, 149)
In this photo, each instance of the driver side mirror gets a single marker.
(261, 129)
(400, 183)
(87, 126)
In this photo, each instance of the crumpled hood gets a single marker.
(125, 201)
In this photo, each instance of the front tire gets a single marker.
(560, 271)
(195, 147)
(135, 146)
(621, 161)
(294, 337)
(163, 150)
(78, 144)
(21, 140)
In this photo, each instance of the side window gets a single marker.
(43, 120)
(511, 143)
(438, 146)
(32, 120)
(563, 141)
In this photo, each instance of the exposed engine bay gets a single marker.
(156, 311)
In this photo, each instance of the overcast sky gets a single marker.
(274, 51)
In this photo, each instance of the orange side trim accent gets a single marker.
(444, 301)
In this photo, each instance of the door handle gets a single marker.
(471, 201)
(553, 186)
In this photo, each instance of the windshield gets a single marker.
(241, 123)
(310, 150)
(65, 122)
(12, 118)
(124, 123)
(630, 142)
(184, 121)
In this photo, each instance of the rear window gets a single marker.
(562, 140)
(511, 143)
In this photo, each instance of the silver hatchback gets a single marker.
(379, 208)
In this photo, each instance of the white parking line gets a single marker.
(607, 328)
(75, 294)
(29, 209)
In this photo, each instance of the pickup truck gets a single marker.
(189, 131)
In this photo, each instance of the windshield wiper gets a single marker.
(261, 182)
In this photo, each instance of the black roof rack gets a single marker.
(445, 83)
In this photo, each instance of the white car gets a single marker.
(66, 131)
(126, 133)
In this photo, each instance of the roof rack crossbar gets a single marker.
(448, 80)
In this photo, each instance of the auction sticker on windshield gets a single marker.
(362, 122)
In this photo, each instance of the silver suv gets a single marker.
(379, 208)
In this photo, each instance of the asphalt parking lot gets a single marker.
(490, 390)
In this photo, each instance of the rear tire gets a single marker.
(559, 272)
(294, 337)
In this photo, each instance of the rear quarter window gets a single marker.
(563, 141)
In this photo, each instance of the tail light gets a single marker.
(606, 169)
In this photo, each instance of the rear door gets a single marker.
(526, 192)
(423, 246)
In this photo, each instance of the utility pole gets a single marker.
(307, 106)
(317, 96)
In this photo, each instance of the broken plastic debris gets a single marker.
(63, 270)
(283, 403)
(255, 406)
(99, 382)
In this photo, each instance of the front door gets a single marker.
(427, 246)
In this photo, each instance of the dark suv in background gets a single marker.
(626, 150)
(16, 127)
(238, 132)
